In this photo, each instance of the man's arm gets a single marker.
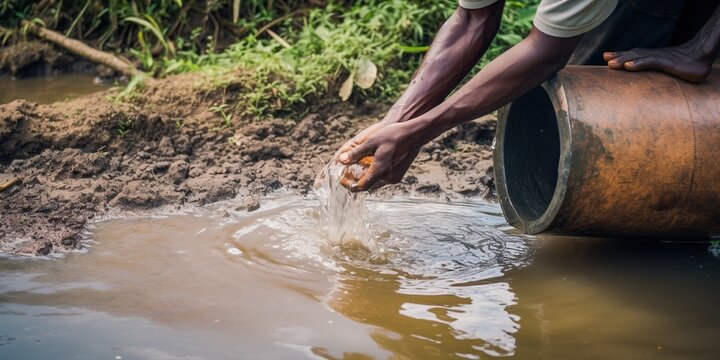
(512, 74)
(457, 47)
(509, 76)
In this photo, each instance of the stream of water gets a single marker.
(452, 282)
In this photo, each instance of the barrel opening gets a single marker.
(531, 154)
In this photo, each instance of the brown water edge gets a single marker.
(48, 89)
(453, 282)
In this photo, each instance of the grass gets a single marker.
(124, 126)
(283, 55)
(227, 118)
(307, 59)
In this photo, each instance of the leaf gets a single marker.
(346, 87)
(366, 73)
(323, 33)
(413, 49)
(39, 22)
(152, 25)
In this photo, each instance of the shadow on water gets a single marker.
(449, 281)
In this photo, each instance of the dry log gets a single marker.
(83, 50)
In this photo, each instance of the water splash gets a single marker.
(343, 215)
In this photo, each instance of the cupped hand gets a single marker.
(358, 139)
(392, 148)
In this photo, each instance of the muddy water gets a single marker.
(445, 281)
(48, 89)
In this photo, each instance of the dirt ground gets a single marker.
(94, 156)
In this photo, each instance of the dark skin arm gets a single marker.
(512, 74)
(457, 47)
(690, 61)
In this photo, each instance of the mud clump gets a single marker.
(93, 156)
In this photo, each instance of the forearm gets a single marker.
(457, 47)
(512, 74)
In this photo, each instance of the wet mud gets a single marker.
(95, 156)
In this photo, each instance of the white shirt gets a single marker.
(562, 18)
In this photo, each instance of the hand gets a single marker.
(358, 139)
(392, 149)
(361, 137)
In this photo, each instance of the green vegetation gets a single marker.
(305, 61)
(227, 118)
(282, 54)
(124, 125)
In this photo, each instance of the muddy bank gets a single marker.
(165, 150)
(35, 58)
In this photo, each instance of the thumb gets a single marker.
(354, 155)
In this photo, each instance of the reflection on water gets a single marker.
(48, 89)
(452, 282)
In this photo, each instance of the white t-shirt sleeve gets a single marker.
(476, 4)
(568, 18)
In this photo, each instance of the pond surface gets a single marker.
(48, 89)
(445, 281)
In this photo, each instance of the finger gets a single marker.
(609, 55)
(366, 182)
(345, 148)
(355, 154)
(374, 174)
(348, 179)
(347, 183)
(619, 61)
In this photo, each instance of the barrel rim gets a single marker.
(556, 93)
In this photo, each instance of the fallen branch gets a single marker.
(81, 49)
(6, 185)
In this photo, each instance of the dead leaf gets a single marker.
(366, 73)
(323, 33)
(346, 87)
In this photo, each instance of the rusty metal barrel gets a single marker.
(602, 152)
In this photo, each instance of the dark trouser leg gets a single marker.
(633, 24)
